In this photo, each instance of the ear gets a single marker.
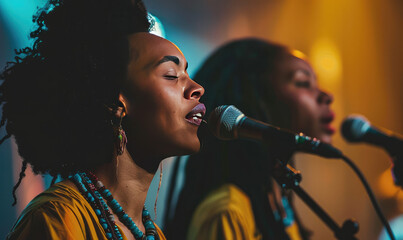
(122, 106)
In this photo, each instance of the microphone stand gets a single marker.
(289, 178)
(397, 168)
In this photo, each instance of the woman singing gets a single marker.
(229, 192)
(100, 102)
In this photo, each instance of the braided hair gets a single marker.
(239, 73)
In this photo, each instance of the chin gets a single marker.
(195, 148)
(326, 138)
(189, 148)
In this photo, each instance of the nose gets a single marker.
(325, 98)
(193, 90)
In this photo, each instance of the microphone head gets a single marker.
(223, 121)
(354, 128)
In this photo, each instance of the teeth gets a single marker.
(198, 115)
(195, 118)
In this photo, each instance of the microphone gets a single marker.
(227, 123)
(357, 128)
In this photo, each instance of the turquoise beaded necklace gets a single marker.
(95, 195)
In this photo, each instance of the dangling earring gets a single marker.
(122, 140)
(121, 137)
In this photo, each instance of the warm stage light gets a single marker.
(326, 60)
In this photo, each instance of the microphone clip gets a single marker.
(312, 145)
(287, 176)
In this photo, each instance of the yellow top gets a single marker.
(227, 214)
(60, 212)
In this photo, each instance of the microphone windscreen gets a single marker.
(222, 121)
(354, 128)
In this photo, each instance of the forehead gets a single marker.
(147, 49)
(292, 64)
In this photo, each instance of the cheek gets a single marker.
(305, 103)
(164, 112)
(303, 110)
(307, 114)
(169, 105)
(145, 108)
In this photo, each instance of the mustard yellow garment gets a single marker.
(227, 213)
(61, 212)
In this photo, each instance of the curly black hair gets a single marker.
(57, 95)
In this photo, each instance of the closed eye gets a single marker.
(170, 77)
(303, 84)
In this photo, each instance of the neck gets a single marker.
(128, 184)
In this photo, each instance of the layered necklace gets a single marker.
(95, 193)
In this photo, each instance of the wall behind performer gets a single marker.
(100, 102)
(228, 191)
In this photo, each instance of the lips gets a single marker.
(196, 115)
(326, 123)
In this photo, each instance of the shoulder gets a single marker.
(60, 211)
(226, 198)
(62, 192)
(62, 199)
(225, 213)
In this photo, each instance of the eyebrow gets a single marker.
(292, 74)
(171, 59)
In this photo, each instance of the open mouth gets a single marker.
(196, 115)
(326, 123)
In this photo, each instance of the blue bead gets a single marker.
(125, 217)
(150, 237)
(138, 235)
(77, 178)
(133, 227)
(104, 225)
(114, 203)
(149, 224)
(107, 193)
(83, 187)
(98, 212)
(108, 235)
(119, 209)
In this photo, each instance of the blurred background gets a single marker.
(356, 50)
